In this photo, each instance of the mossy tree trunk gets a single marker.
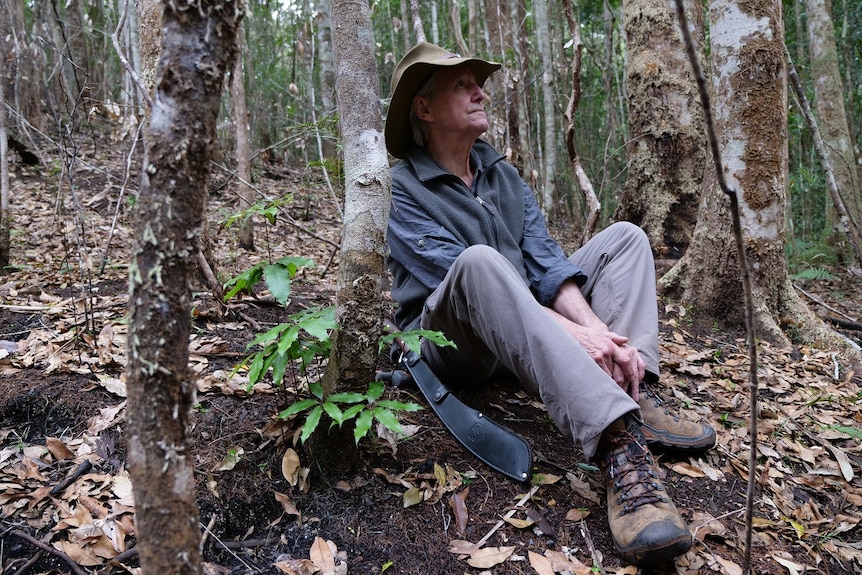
(749, 80)
(198, 48)
(667, 148)
(831, 115)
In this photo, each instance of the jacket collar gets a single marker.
(482, 155)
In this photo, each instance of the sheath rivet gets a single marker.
(481, 415)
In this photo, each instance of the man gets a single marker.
(471, 257)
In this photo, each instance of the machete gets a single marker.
(498, 447)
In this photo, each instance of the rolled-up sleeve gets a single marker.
(546, 263)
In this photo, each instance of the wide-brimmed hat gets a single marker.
(409, 75)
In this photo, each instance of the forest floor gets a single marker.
(409, 505)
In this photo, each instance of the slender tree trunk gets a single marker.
(198, 49)
(243, 143)
(667, 149)
(548, 187)
(829, 106)
(749, 81)
(361, 269)
(5, 212)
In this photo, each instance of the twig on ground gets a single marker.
(83, 468)
(235, 556)
(597, 557)
(508, 515)
(30, 562)
(48, 549)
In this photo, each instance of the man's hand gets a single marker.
(608, 349)
(612, 353)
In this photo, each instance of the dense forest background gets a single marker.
(65, 69)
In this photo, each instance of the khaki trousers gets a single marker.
(486, 309)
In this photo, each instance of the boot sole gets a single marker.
(665, 553)
(669, 442)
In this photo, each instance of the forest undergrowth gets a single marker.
(418, 504)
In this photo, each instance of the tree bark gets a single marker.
(198, 48)
(829, 106)
(667, 146)
(361, 269)
(750, 102)
(549, 163)
(5, 212)
(243, 143)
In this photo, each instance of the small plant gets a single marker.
(342, 407)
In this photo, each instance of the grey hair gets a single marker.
(418, 128)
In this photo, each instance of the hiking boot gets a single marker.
(666, 430)
(645, 524)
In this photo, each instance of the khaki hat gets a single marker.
(409, 75)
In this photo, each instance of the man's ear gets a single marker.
(420, 108)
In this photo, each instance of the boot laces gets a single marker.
(631, 469)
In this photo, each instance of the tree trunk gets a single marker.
(5, 213)
(243, 143)
(198, 48)
(829, 106)
(150, 38)
(750, 104)
(549, 163)
(361, 268)
(667, 149)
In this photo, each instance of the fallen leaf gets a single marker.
(458, 503)
(234, 454)
(490, 556)
(287, 504)
(290, 466)
(577, 513)
(794, 568)
(687, 469)
(322, 554)
(519, 523)
(58, 449)
(728, 567)
(540, 563)
(291, 566)
(461, 547)
(413, 496)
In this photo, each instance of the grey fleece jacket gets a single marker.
(435, 216)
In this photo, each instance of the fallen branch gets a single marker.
(597, 558)
(48, 549)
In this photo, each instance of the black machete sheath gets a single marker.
(498, 447)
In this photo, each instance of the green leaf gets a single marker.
(351, 411)
(363, 424)
(287, 339)
(310, 423)
(279, 365)
(244, 281)
(320, 323)
(293, 263)
(255, 372)
(297, 407)
(388, 419)
(268, 336)
(851, 431)
(375, 390)
(346, 397)
(278, 281)
(413, 339)
(399, 405)
(316, 390)
(333, 412)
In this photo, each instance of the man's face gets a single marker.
(456, 105)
